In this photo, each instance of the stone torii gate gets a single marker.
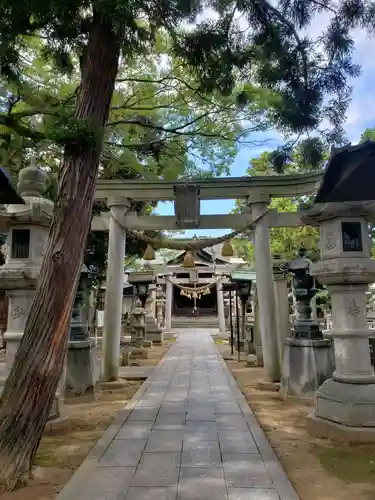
(257, 191)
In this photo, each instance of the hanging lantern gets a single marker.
(149, 253)
(227, 250)
(189, 260)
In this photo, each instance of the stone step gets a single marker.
(200, 322)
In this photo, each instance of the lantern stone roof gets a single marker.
(32, 182)
(349, 175)
(7, 193)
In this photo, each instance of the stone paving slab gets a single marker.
(187, 434)
(136, 372)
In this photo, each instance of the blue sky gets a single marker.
(361, 115)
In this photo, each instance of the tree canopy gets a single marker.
(286, 241)
(161, 125)
(219, 57)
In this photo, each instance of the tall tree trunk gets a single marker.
(32, 383)
(3, 316)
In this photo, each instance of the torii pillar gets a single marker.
(114, 289)
(258, 202)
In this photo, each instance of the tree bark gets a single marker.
(3, 316)
(32, 382)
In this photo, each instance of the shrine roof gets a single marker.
(243, 274)
(203, 256)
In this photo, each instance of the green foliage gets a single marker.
(309, 154)
(285, 241)
(68, 132)
(277, 53)
(161, 125)
(307, 78)
(306, 156)
(368, 134)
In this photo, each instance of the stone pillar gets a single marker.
(114, 290)
(20, 302)
(220, 305)
(154, 332)
(160, 303)
(264, 283)
(168, 303)
(257, 341)
(282, 304)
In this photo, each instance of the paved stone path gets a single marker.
(188, 434)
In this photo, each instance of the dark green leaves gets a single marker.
(256, 42)
(312, 152)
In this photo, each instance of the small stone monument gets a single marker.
(81, 368)
(308, 357)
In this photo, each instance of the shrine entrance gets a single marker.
(195, 295)
(257, 193)
(187, 303)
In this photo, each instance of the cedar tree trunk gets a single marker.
(32, 383)
(3, 316)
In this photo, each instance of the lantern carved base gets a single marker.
(82, 373)
(307, 363)
(352, 405)
(326, 429)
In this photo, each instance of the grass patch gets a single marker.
(220, 341)
(170, 339)
(46, 459)
(352, 465)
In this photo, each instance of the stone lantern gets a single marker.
(143, 282)
(244, 294)
(138, 324)
(160, 304)
(28, 229)
(308, 357)
(348, 398)
(243, 282)
(344, 206)
(81, 370)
